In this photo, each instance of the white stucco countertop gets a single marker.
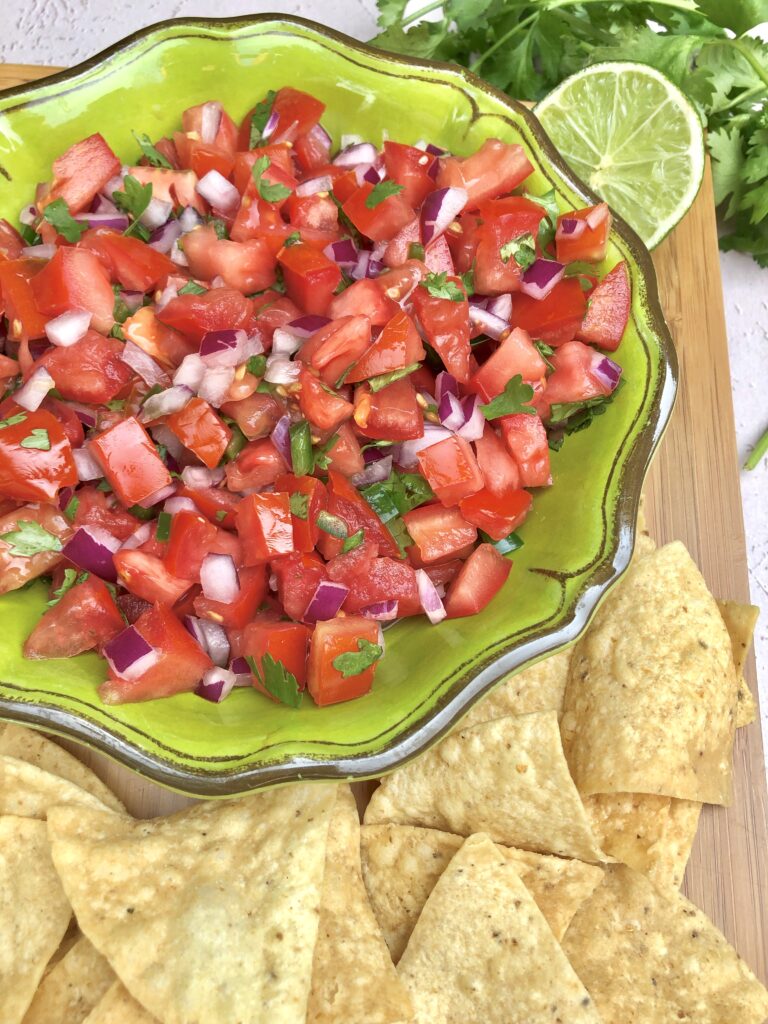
(64, 32)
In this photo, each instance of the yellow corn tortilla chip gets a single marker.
(28, 745)
(70, 991)
(508, 778)
(651, 957)
(29, 792)
(740, 621)
(71, 936)
(652, 834)
(209, 915)
(353, 977)
(402, 863)
(482, 951)
(34, 913)
(119, 1007)
(651, 695)
(538, 688)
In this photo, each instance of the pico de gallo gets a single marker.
(261, 397)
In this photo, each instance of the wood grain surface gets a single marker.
(693, 495)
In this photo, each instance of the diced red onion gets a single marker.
(198, 478)
(280, 370)
(190, 372)
(84, 413)
(541, 277)
(474, 420)
(285, 342)
(170, 292)
(30, 395)
(210, 121)
(344, 252)
(367, 173)
(269, 127)
(435, 150)
(440, 209)
(28, 215)
(157, 496)
(445, 383)
(312, 186)
(39, 252)
(382, 611)
(101, 204)
(306, 326)
(571, 227)
(433, 170)
(500, 306)
(326, 601)
(146, 367)
(189, 219)
(65, 496)
(409, 449)
(357, 153)
(450, 412)
(91, 548)
(429, 598)
(164, 237)
(215, 384)
(350, 139)
(176, 504)
(132, 300)
(374, 472)
(193, 626)
(242, 670)
(165, 403)
(219, 580)
(223, 348)
(281, 438)
(374, 268)
(597, 215)
(216, 684)
(114, 221)
(318, 134)
(360, 270)
(114, 184)
(606, 371)
(219, 192)
(216, 642)
(68, 328)
(177, 255)
(129, 655)
(489, 323)
(252, 346)
(139, 536)
(87, 466)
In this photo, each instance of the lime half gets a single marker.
(634, 138)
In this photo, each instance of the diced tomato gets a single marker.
(285, 642)
(386, 580)
(216, 503)
(247, 266)
(35, 473)
(592, 244)
(399, 345)
(166, 345)
(201, 158)
(313, 150)
(479, 580)
(298, 576)
(574, 378)
(347, 566)
(201, 431)
(259, 219)
(279, 170)
(181, 666)
(306, 532)
(316, 211)
(94, 508)
(503, 220)
(265, 527)
(438, 532)
(334, 348)
(365, 298)
(11, 242)
(146, 576)
(238, 613)
(526, 439)
(346, 501)
(346, 456)
(515, 355)
(463, 237)
(409, 167)
(495, 169)
(451, 469)
(25, 321)
(323, 408)
(89, 371)
(75, 279)
(392, 414)
(438, 258)
(499, 469)
(256, 415)
(446, 325)
(555, 319)
(444, 573)
(216, 310)
(608, 310)
(418, 562)
(310, 277)
(274, 310)
(226, 133)
(326, 683)
(81, 172)
(296, 113)
(130, 461)
(259, 464)
(16, 569)
(128, 261)
(176, 187)
(191, 539)
(496, 515)
(399, 247)
(85, 618)
(381, 220)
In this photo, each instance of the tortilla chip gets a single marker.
(651, 695)
(507, 778)
(652, 834)
(401, 866)
(71, 936)
(28, 745)
(210, 914)
(119, 1007)
(538, 688)
(482, 951)
(29, 791)
(70, 991)
(353, 977)
(651, 957)
(740, 621)
(34, 913)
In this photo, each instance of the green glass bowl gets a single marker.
(577, 542)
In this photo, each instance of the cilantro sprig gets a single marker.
(71, 577)
(277, 680)
(30, 538)
(259, 119)
(381, 191)
(522, 249)
(153, 155)
(512, 400)
(270, 192)
(133, 200)
(58, 216)
(439, 287)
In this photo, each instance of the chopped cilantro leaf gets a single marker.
(219, 227)
(322, 458)
(270, 192)
(152, 154)
(293, 239)
(192, 288)
(259, 119)
(30, 538)
(117, 332)
(71, 577)
(144, 514)
(512, 400)
(71, 510)
(383, 380)
(383, 190)
(19, 417)
(397, 495)
(163, 529)
(440, 287)
(276, 679)
(299, 505)
(548, 227)
(237, 442)
(221, 514)
(116, 405)
(522, 249)
(545, 351)
(352, 664)
(38, 439)
(58, 216)
(133, 200)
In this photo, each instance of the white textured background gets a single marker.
(66, 31)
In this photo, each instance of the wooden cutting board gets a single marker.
(693, 495)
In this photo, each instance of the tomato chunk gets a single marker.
(346, 501)
(310, 277)
(259, 464)
(191, 539)
(82, 171)
(285, 642)
(516, 355)
(297, 576)
(85, 618)
(326, 683)
(128, 261)
(75, 279)
(446, 325)
(608, 310)
(334, 348)
(496, 515)
(238, 613)
(35, 473)
(409, 167)
(90, 371)
(201, 431)
(130, 461)
(526, 439)
(438, 533)
(377, 219)
(17, 569)
(146, 576)
(217, 310)
(365, 298)
(499, 469)
(451, 469)
(575, 379)
(589, 245)
(325, 409)
(399, 345)
(247, 266)
(385, 580)
(555, 319)
(306, 532)
(392, 414)
(25, 321)
(496, 168)
(479, 580)
(265, 526)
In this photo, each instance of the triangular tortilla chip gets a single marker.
(70, 991)
(482, 952)
(402, 863)
(740, 621)
(29, 792)
(353, 977)
(208, 915)
(71, 936)
(28, 745)
(507, 778)
(538, 688)
(119, 1007)
(651, 695)
(651, 957)
(34, 913)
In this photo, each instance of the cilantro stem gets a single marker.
(743, 97)
(422, 11)
(476, 64)
(750, 58)
(757, 453)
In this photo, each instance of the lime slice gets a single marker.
(633, 137)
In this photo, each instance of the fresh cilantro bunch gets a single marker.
(526, 47)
